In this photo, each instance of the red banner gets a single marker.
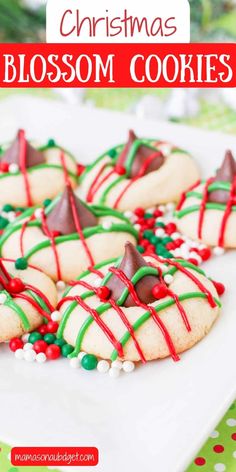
(118, 65)
(54, 456)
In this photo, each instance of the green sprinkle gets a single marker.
(154, 239)
(47, 202)
(51, 142)
(89, 362)
(49, 338)
(167, 240)
(3, 222)
(35, 336)
(159, 224)
(140, 249)
(112, 153)
(21, 263)
(147, 234)
(66, 349)
(8, 207)
(60, 342)
(148, 215)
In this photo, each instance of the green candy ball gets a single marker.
(47, 202)
(66, 350)
(35, 336)
(140, 249)
(49, 338)
(112, 153)
(89, 362)
(147, 234)
(148, 215)
(51, 143)
(60, 342)
(167, 240)
(153, 239)
(8, 208)
(159, 224)
(3, 222)
(21, 263)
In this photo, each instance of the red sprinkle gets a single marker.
(52, 327)
(150, 222)
(16, 343)
(80, 169)
(15, 286)
(200, 461)
(193, 261)
(170, 228)
(139, 212)
(218, 448)
(43, 329)
(170, 246)
(40, 346)
(120, 170)
(179, 242)
(220, 288)
(4, 166)
(159, 291)
(157, 213)
(103, 293)
(205, 253)
(53, 352)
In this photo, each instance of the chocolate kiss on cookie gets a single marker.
(62, 218)
(13, 153)
(130, 264)
(143, 152)
(225, 173)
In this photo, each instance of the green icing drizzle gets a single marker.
(18, 310)
(209, 206)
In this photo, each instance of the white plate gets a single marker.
(156, 418)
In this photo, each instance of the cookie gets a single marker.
(67, 236)
(143, 172)
(26, 298)
(29, 175)
(207, 211)
(138, 308)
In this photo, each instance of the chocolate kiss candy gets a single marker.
(130, 264)
(225, 173)
(3, 277)
(143, 152)
(61, 217)
(12, 155)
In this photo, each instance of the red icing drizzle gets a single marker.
(96, 184)
(184, 195)
(41, 295)
(49, 234)
(189, 274)
(227, 212)
(22, 233)
(142, 171)
(23, 169)
(32, 302)
(117, 345)
(149, 308)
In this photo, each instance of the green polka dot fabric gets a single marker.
(217, 455)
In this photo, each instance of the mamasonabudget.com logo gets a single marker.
(54, 456)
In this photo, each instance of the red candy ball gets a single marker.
(205, 253)
(40, 346)
(4, 166)
(52, 327)
(16, 343)
(220, 288)
(103, 293)
(43, 329)
(53, 352)
(55, 234)
(120, 170)
(15, 286)
(170, 228)
(80, 169)
(150, 222)
(170, 246)
(159, 291)
(139, 212)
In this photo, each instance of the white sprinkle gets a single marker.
(170, 206)
(81, 355)
(137, 227)
(128, 214)
(28, 347)
(4, 214)
(168, 278)
(218, 251)
(107, 225)
(160, 219)
(150, 210)
(175, 235)
(128, 366)
(61, 285)
(41, 357)
(38, 213)
(3, 298)
(114, 373)
(25, 337)
(214, 434)
(19, 354)
(75, 363)
(177, 252)
(55, 315)
(219, 467)
(117, 364)
(103, 366)
(159, 232)
(162, 208)
(231, 422)
(196, 256)
(11, 216)
(30, 355)
(13, 168)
